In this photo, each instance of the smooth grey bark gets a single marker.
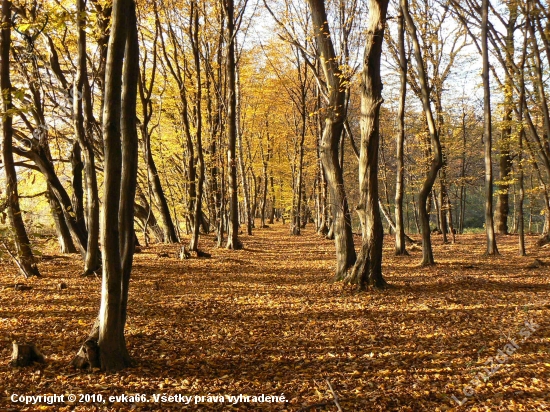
(120, 170)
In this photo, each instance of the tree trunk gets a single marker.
(505, 158)
(120, 140)
(197, 212)
(437, 160)
(233, 241)
(521, 223)
(66, 244)
(487, 135)
(368, 268)
(78, 190)
(25, 256)
(83, 118)
(335, 116)
(400, 249)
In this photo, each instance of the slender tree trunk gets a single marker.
(83, 118)
(78, 189)
(25, 256)
(66, 244)
(233, 241)
(400, 249)
(487, 135)
(197, 213)
(437, 160)
(521, 222)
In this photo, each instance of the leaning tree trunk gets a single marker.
(25, 256)
(368, 268)
(66, 244)
(437, 160)
(335, 115)
(487, 135)
(400, 249)
(233, 241)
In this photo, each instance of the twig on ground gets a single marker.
(335, 396)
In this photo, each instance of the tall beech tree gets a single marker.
(334, 118)
(120, 174)
(233, 241)
(368, 268)
(25, 257)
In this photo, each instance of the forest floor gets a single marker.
(268, 320)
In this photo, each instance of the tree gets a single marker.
(233, 241)
(437, 160)
(487, 134)
(334, 118)
(25, 257)
(120, 174)
(368, 268)
(400, 249)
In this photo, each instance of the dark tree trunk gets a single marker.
(335, 115)
(197, 212)
(505, 158)
(25, 256)
(233, 241)
(521, 223)
(272, 210)
(400, 249)
(78, 189)
(368, 268)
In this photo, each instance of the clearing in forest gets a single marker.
(268, 320)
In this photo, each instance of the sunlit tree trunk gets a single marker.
(487, 135)
(368, 268)
(334, 117)
(120, 140)
(83, 118)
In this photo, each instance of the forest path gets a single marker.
(268, 320)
